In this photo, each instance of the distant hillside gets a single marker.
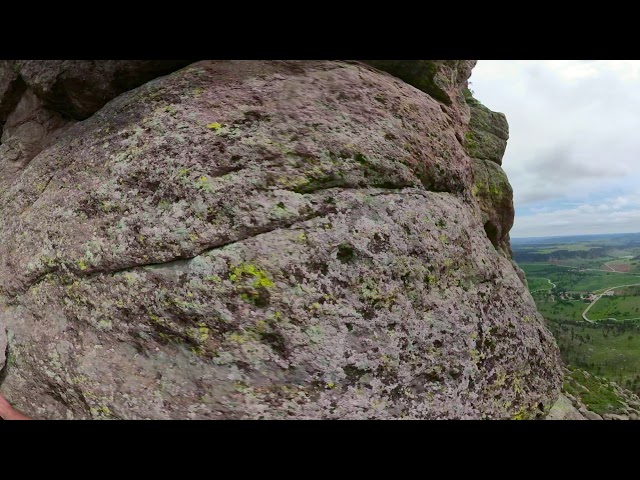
(525, 256)
(633, 237)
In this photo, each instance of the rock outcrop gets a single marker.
(260, 239)
(488, 132)
(563, 409)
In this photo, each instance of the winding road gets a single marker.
(553, 285)
(599, 296)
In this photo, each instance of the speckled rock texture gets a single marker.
(442, 80)
(265, 239)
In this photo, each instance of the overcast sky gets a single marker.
(574, 144)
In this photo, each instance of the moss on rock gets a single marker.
(488, 132)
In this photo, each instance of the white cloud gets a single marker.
(574, 137)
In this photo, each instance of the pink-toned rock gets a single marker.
(264, 239)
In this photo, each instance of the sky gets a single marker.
(573, 156)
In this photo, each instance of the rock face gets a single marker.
(261, 239)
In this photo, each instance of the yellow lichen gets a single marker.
(260, 276)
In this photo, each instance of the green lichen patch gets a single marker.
(252, 283)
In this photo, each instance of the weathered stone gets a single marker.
(443, 80)
(11, 89)
(488, 132)
(613, 416)
(494, 194)
(27, 130)
(589, 415)
(564, 410)
(79, 88)
(435, 77)
(264, 239)
(633, 416)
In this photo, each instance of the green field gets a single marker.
(634, 265)
(536, 283)
(620, 307)
(568, 247)
(572, 280)
(599, 263)
(561, 310)
(595, 281)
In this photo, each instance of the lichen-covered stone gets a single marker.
(443, 80)
(488, 132)
(426, 75)
(494, 194)
(264, 239)
(39, 99)
(79, 88)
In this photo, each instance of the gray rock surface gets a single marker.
(589, 415)
(613, 416)
(564, 410)
(262, 239)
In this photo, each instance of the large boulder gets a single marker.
(564, 410)
(264, 239)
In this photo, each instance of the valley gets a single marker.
(588, 290)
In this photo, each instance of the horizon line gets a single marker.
(576, 235)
